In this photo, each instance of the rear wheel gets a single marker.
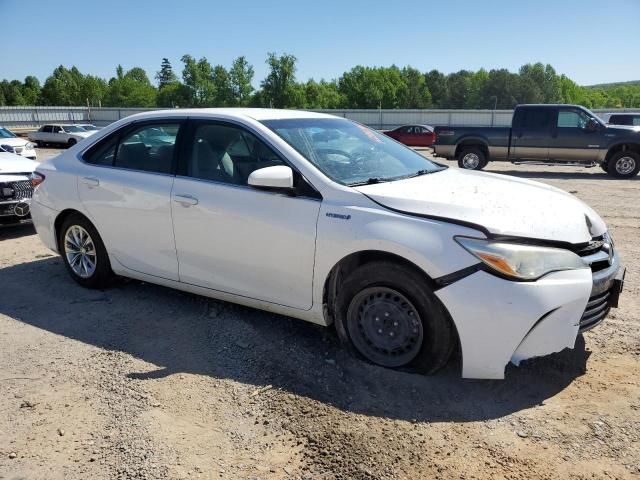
(84, 253)
(72, 142)
(624, 164)
(472, 159)
(388, 314)
(605, 166)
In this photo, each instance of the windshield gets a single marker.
(72, 128)
(4, 133)
(88, 127)
(350, 153)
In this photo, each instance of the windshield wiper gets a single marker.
(369, 181)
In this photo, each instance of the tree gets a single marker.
(222, 85)
(416, 93)
(279, 87)
(63, 87)
(322, 95)
(174, 95)
(130, 89)
(241, 76)
(31, 90)
(165, 75)
(437, 85)
(197, 77)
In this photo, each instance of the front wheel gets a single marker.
(624, 164)
(605, 166)
(387, 314)
(84, 253)
(72, 142)
(472, 159)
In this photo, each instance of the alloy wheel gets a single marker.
(80, 251)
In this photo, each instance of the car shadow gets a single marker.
(16, 230)
(184, 333)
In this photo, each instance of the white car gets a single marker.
(59, 134)
(15, 187)
(11, 143)
(326, 220)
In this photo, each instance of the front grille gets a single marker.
(22, 189)
(19, 190)
(597, 253)
(597, 309)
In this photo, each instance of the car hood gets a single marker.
(83, 134)
(12, 164)
(501, 204)
(622, 129)
(14, 141)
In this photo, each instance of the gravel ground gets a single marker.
(140, 381)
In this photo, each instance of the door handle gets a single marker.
(91, 181)
(185, 200)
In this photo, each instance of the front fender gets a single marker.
(426, 243)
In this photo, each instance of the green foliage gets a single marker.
(280, 88)
(241, 76)
(165, 75)
(131, 89)
(203, 85)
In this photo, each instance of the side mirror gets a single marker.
(592, 125)
(279, 177)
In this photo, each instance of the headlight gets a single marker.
(522, 262)
(7, 148)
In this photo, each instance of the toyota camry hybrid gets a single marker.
(326, 220)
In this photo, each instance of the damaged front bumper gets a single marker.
(499, 320)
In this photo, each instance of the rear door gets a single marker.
(571, 140)
(531, 133)
(125, 186)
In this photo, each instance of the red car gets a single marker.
(413, 135)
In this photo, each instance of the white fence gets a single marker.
(33, 117)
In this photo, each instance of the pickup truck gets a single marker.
(545, 134)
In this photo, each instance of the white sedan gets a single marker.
(326, 220)
(59, 134)
(11, 143)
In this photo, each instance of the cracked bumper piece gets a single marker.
(499, 320)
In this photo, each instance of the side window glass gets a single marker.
(57, 129)
(149, 148)
(536, 118)
(571, 119)
(227, 154)
(636, 121)
(103, 153)
(46, 129)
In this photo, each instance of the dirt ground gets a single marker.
(140, 381)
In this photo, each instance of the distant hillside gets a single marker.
(606, 86)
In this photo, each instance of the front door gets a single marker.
(126, 189)
(234, 238)
(571, 139)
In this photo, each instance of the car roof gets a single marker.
(258, 114)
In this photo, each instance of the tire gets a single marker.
(77, 227)
(472, 159)
(605, 166)
(72, 142)
(387, 314)
(624, 164)
(40, 144)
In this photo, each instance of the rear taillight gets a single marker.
(36, 179)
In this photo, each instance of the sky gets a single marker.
(328, 37)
